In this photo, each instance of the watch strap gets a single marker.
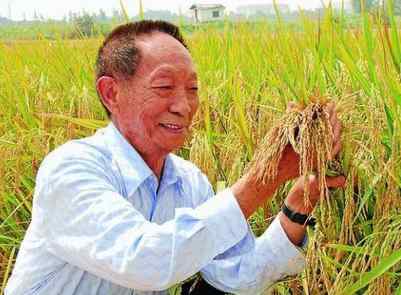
(297, 217)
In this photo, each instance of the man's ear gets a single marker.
(107, 89)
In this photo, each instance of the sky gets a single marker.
(20, 9)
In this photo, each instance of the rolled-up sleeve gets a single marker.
(87, 223)
(254, 264)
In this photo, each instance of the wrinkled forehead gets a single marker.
(160, 49)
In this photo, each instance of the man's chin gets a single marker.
(173, 148)
(169, 147)
(173, 141)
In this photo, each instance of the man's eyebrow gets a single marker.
(162, 71)
(160, 74)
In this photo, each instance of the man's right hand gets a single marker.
(251, 193)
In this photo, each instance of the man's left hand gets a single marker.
(296, 199)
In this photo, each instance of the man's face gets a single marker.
(156, 106)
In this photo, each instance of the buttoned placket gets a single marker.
(152, 185)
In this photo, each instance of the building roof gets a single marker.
(207, 6)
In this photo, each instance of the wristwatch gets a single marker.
(297, 217)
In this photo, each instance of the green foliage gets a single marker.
(375, 5)
(394, 5)
(384, 265)
(141, 14)
(124, 11)
(360, 5)
(85, 25)
(36, 30)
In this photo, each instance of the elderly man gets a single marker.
(118, 213)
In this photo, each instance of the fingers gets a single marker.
(336, 181)
(336, 148)
(336, 127)
(331, 182)
(331, 107)
(336, 139)
(291, 105)
(331, 110)
(337, 130)
(295, 197)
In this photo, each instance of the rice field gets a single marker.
(248, 73)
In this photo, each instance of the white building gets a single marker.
(207, 12)
(261, 9)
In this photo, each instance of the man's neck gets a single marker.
(155, 163)
(153, 158)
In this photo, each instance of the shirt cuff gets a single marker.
(289, 256)
(224, 219)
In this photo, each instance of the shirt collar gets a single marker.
(172, 173)
(132, 166)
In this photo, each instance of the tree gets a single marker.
(116, 15)
(84, 24)
(368, 4)
(396, 5)
(4, 20)
(102, 17)
(35, 15)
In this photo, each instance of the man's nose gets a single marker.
(180, 105)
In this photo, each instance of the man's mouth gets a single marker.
(175, 128)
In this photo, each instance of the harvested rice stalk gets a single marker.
(309, 132)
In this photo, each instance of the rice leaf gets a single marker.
(385, 264)
(390, 120)
(141, 12)
(124, 11)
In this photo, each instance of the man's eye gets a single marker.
(194, 88)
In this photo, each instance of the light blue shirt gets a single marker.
(101, 224)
